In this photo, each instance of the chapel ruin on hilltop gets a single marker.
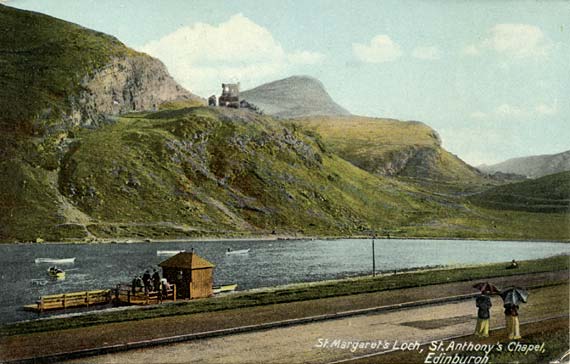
(230, 98)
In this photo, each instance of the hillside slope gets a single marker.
(219, 172)
(391, 147)
(293, 97)
(532, 166)
(546, 194)
(75, 165)
(56, 78)
(203, 171)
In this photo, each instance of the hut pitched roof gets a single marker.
(187, 261)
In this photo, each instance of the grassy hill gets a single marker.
(391, 147)
(218, 172)
(547, 194)
(77, 164)
(56, 78)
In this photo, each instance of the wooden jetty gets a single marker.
(124, 294)
(71, 300)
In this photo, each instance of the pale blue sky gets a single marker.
(492, 77)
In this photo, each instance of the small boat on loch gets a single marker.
(225, 288)
(168, 252)
(55, 260)
(55, 272)
(242, 251)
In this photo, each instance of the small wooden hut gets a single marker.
(192, 274)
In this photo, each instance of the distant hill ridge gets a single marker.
(294, 97)
(532, 166)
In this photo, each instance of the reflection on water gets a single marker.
(268, 263)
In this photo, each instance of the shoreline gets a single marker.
(547, 272)
(126, 240)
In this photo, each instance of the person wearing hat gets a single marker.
(483, 303)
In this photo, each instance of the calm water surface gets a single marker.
(269, 263)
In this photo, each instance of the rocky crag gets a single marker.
(132, 83)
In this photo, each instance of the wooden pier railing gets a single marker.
(124, 294)
(71, 300)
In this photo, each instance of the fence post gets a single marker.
(64, 306)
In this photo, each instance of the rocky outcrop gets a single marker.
(127, 84)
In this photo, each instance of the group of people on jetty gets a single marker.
(150, 283)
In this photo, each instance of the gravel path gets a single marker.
(301, 344)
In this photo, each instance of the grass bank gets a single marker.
(553, 333)
(293, 293)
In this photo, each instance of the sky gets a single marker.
(491, 77)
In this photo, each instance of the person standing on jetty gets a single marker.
(156, 280)
(483, 303)
(146, 281)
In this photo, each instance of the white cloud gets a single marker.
(381, 49)
(544, 109)
(513, 40)
(426, 53)
(510, 111)
(202, 56)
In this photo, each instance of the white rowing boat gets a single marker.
(55, 260)
(169, 252)
(225, 288)
(242, 251)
